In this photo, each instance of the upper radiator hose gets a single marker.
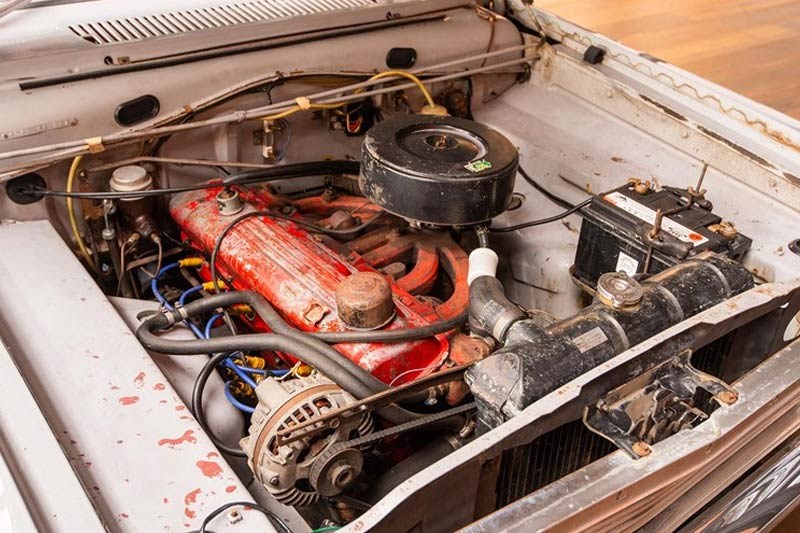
(535, 360)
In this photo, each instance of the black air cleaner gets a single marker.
(438, 170)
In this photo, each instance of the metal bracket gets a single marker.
(634, 416)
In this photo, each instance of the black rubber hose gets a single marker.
(315, 352)
(547, 194)
(335, 368)
(393, 335)
(490, 312)
(542, 221)
(303, 224)
(276, 173)
(197, 405)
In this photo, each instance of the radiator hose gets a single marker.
(284, 338)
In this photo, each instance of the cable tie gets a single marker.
(303, 102)
(95, 144)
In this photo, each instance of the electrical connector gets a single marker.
(194, 262)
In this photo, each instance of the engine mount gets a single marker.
(438, 170)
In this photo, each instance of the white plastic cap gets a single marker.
(482, 262)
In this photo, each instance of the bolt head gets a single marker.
(642, 449)
(234, 516)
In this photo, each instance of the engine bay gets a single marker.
(373, 270)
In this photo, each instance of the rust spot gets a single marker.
(166, 500)
(794, 180)
(128, 400)
(745, 152)
(186, 437)
(617, 159)
(180, 407)
(662, 107)
(159, 386)
(209, 468)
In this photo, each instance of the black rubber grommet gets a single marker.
(401, 58)
(20, 189)
(594, 55)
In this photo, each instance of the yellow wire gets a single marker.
(411, 77)
(294, 109)
(73, 221)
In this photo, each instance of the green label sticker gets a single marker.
(478, 165)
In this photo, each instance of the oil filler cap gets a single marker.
(438, 170)
(364, 301)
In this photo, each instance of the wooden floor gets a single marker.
(749, 46)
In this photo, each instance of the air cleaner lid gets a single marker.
(438, 170)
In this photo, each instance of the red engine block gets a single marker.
(298, 272)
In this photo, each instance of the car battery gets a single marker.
(619, 232)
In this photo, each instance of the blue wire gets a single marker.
(241, 373)
(236, 403)
(189, 292)
(154, 285)
(165, 303)
(252, 370)
(210, 324)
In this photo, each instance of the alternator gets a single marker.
(300, 472)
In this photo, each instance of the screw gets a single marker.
(728, 397)
(234, 516)
(274, 481)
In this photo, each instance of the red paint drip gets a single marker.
(180, 407)
(186, 437)
(114, 387)
(166, 500)
(212, 454)
(128, 400)
(124, 515)
(230, 488)
(139, 379)
(191, 497)
(209, 468)
(189, 513)
(159, 386)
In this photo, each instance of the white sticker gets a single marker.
(643, 212)
(592, 338)
(627, 264)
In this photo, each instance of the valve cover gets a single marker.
(299, 274)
